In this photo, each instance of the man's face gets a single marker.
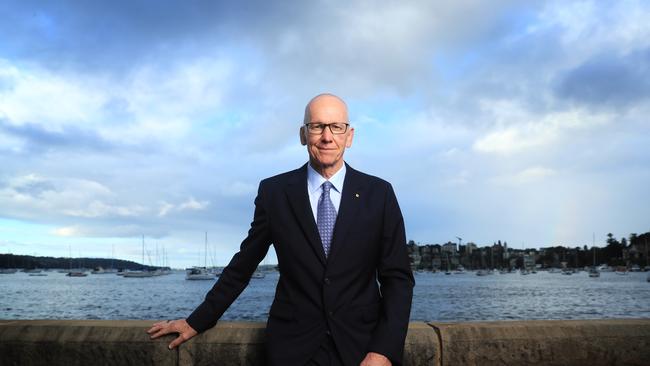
(326, 149)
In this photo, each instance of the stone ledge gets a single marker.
(546, 342)
(125, 342)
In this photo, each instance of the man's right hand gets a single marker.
(180, 326)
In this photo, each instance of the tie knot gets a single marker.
(327, 186)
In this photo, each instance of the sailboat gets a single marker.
(448, 272)
(142, 273)
(75, 273)
(101, 270)
(593, 272)
(201, 273)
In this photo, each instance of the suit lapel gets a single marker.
(348, 209)
(298, 197)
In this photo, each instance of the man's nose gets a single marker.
(327, 134)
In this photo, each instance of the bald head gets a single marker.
(325, 101)
(332, 134)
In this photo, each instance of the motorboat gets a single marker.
(139, 274)
(77, 274)
(199, 273)
(460, 270)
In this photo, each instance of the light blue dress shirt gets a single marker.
(315, 189)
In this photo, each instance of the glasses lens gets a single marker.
(338, 128)
(315, 128)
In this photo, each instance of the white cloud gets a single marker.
(35, 95)
(190, 204)
(34, 196)
(155, 101)
(112, 231)
(525, 130)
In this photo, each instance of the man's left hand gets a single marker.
(375, 359)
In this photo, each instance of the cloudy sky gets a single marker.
(505, 120)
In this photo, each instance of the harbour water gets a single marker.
(437, 297)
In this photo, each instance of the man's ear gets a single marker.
(303, 138)
(348, 140)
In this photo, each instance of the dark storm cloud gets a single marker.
(117, 34)
(38, 138)
(608, 80)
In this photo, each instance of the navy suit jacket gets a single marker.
(360, 294)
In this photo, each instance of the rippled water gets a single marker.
(437, 297)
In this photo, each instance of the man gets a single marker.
(345, 287)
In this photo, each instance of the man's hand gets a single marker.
(375, 359)
(180, 326)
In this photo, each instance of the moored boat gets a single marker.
(77, 274)
(593, 272)
(199, 273)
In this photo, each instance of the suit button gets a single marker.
(330, 313)
(327, 281)
(327, 332)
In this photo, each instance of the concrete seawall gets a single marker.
(124, 342)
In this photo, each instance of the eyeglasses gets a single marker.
(336, 128)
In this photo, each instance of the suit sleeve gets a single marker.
(237, 274)
(396, 284)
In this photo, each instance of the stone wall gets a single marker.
(124, 342)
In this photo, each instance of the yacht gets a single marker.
(199, 273)
(144, 273)
(460, 270)
(593, 272)
(622, 271)
(77, 274)
(139, 274)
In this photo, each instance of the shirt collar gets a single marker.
(315, 180)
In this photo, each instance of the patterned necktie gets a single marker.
(326, 217)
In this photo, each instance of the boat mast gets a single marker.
(143, 252)
(593, 247)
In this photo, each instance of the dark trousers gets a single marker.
(327, 355)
